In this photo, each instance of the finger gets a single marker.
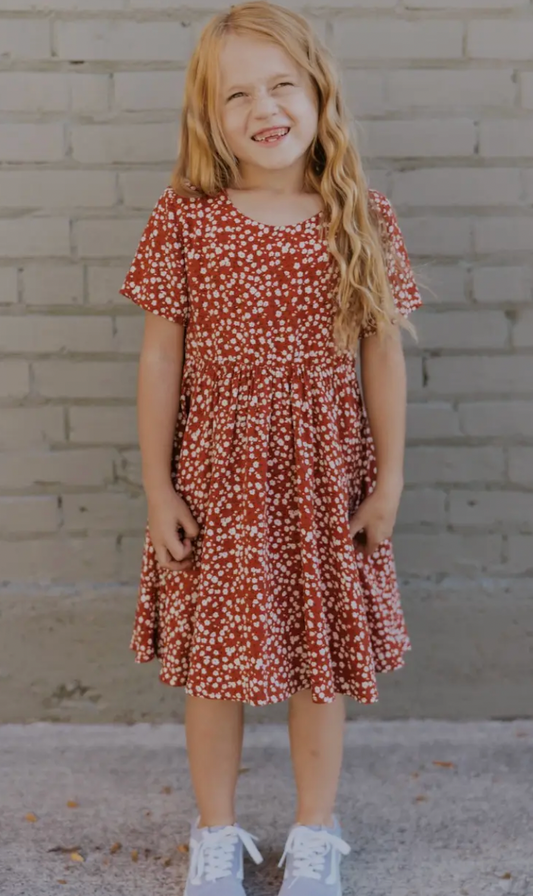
(188, 522)
(162, 555)
(357, 524)
(178, 565)
(178, 549)
(374, 541)
(173, 551)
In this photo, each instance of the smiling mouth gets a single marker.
(271, 136)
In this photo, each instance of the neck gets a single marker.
(285, 180)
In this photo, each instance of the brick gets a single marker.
(135, 143)
(434, 420)
(116, 40)
(527, 90)
(495, 509)
(28, 515)
(25, 39)
(365, 92)
(37, 334)
(52, 284)
(463, 329)
(14, 379)
(447, 553)
(520, 555)
(57, 189)
(8, 286)
(129, 334)
(498, 375)
(503, 284)
(89, 93)
(59, 560)
(500, 39)
(86, 379)
(522, 335)
(521, 469)
(442, 284)
(457, 186)
(24, 142)
(109, 237)
(130, 557)
(84, 467)
(104, 283)
(454, 464)
(454, 90)
(199, 4)
(290, 4)
(437, 236)
(497, 419)
(31, 427)
(414, 375)
(506, 138)
(422, 506)
(501, 234)
(149, 91)
(33, 92)
(466, 4)
(141, 189)
(104, 425)
(378, 179)
(222, 5)
(109, 512)
(28, 237)
(418, 138)
(528, 184)
(356, 38)
(131, 467)
(61, 5)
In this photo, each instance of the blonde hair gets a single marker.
(356, 240)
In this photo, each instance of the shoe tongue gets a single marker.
(314, 827)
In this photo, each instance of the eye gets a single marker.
(284, 84)
(236, 95)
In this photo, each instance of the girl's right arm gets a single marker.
(158, 397)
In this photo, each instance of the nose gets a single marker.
(264, 105)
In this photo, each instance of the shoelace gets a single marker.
(212, 857)
(309, 850)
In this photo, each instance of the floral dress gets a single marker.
(272, 454)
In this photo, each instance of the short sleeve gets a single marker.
(400, 274)
(157, 278)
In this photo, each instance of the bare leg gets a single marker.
(316, 735)
(214, 731)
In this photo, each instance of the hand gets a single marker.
(374, 520)
(167, 513)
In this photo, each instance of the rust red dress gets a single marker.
(272, 454)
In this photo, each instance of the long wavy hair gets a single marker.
(205, 164)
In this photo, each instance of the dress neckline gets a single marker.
(298, 225)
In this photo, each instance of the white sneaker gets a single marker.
(313, 857)
(216, 860)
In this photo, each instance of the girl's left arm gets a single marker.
(383, 378)
(384, 382)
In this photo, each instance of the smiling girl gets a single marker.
(272, 486)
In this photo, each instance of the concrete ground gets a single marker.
(431, 808)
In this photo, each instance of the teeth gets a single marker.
(272, 134)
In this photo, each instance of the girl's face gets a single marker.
(268, 106)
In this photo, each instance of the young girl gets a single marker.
(268, 572)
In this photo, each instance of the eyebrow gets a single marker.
(281, 76)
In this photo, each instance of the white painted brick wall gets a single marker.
(90, 95)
